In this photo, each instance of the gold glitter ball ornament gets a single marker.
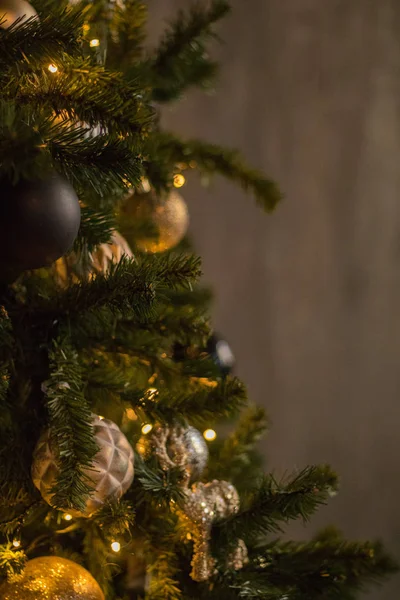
(52, 578)
(72, 268)
(176, 446)
(169, 216)
(111, 472)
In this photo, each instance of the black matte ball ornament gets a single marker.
(39, 221)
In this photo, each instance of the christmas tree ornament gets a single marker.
(73, 268)
(168, 215)
(203, 505)
(39, 221)
(52, 578)
(111, 472)
(11, 10)
(221, 353)
(177, 446)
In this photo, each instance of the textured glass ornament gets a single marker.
(52, 578)
(70, 269)
(111, 472)
(169, 216)
(177, 446)
(15, 9)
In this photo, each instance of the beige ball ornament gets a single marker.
(169, 216)
(70, 269)
(52, 578)
(12, 10)
(111, 472)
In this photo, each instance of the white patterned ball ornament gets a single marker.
(111, 472)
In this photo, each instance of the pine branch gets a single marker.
(127, 288)
(104, 164)
(180, 59)
(198, 406)
(38, 42)
(275, 502)
(166, 150)
(12, 561)
(96, 228)
(233, 459)
(88, 93)
(330, 568)
(70, 425)
(128, 29)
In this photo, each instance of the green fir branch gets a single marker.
(166, 150)
(38, 42)
(96, 228)
(12, 561)
(70, 425)
(88, 93)
(198, 406)
(125, 45)
(180, 59)
(275, 502)
(234, 458)
(327, 567)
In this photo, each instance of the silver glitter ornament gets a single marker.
(204, 504)
(52, 578)
(177, 446)
(12, 10)
(111, 472)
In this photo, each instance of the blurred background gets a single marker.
(309, 297)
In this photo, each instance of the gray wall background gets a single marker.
(310, 296)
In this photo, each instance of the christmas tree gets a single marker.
(112, 484)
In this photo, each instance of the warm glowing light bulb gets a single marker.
(53, 68)
(16, 543)
(130, 414)
(152, 393)
(68, 517)
(94, 43)
(179, 180)
(147, 428)
(210, 435)
(101, 418)
(116, 546)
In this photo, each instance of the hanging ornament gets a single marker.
(39, 221)
(204, 504)
(111, 472)
(72, 268)
(168, 215)
(52, 578)
(12, 10)
(177, 446)
(221, 353)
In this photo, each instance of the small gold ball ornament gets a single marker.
(72, 269)
(52, 578)
(169, 216)
(12, 10)
(111, 472)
